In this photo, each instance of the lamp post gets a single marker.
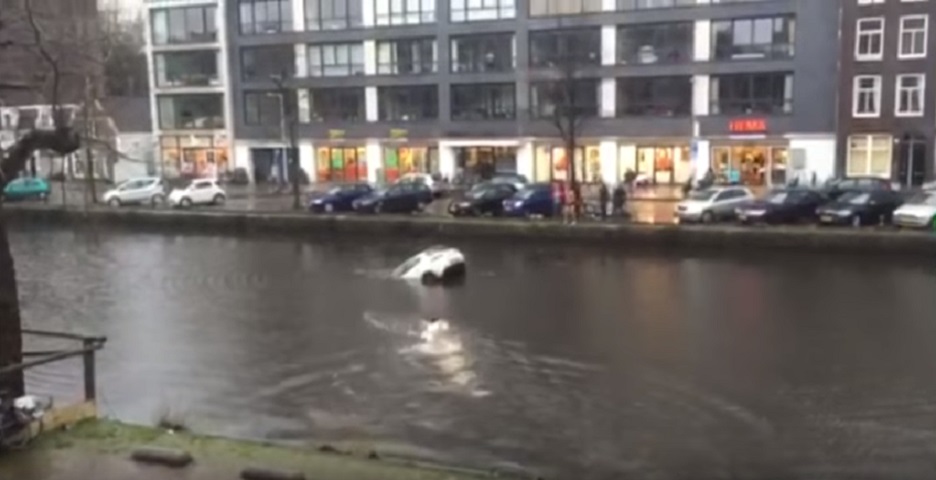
(288, 136)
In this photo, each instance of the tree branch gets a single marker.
(53, 64)
(62, 140)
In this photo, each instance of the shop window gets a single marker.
(341, 164)
(552, 164)
(479, 163)
(663, 165)
(779, 157)
(193, 156)
(869, 155)
(750, 164)
(399, 161)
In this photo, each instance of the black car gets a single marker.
(408, 197)
(338, 198)
(781, 206)
(859, 208)
(485, 198)
(837, 187)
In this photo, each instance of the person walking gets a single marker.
(558, 196)
(569, 204)
(617, 200)
(603, 199)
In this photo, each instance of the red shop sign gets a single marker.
(747, 125)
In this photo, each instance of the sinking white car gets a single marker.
(434, 265)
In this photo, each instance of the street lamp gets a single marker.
(288, 136)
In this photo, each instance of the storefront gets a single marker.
(476, 163)
(399, 160)
(658, 163)
(341, 164)
(194, 156)
(763, 163)
(551, 163)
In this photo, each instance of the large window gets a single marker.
(344, 104)
(263, 108)
(753, 38)
(483, 101)
(552, 48)
(336, 60)
(866, 96)
(403, 12)
(563, 7)
(909, 95)
(261, 63)
(869, 155)
(869, 38)
(408, 103)
(471, 10)
(186, 69)
(333, 14)
(650, 4)
(743, 94)
(582, 98)
(913, 36)
(484, 53)
(265, 16)
(191, 112)
(184, 25)
(655, 43)
(341, 164)
(406, 56)
(654, 96)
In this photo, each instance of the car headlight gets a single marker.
(843, 213)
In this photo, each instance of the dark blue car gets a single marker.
(535, 200)
(339, 198)
(406, 197)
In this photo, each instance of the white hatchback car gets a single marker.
(198, 192)
(918, 212)
(712, 204)
(136, 191)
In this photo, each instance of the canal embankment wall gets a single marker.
(667, 237)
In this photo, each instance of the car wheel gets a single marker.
(114, 202)
(421, 206)
(329, 208)
(378, 208)
(708, 217)
(856, 221)
(157, 200)
(218, 199)
(186, 202)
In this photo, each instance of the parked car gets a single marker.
(26, 188)
(712, 204)
(198, 192)
(918, 212)
(837, 187)
(338, 198)
(518, 181)
(534, 200)
(407, 197)
(781, 206)
(859, 208)
(484, 199)
(151, 190)
(437, 187)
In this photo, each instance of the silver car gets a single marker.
(712, 204)
(147, 190)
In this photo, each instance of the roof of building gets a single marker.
(130, 114)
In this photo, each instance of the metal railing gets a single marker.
(89, 345)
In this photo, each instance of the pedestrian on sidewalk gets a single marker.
(558, 197)
(617, 200)
(569, 206)
(603, 198)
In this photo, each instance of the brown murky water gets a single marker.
(576, 363)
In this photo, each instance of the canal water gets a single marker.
(570, 363)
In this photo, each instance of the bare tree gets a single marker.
(25, 43)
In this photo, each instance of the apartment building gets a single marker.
(377, 88)
(888, 69)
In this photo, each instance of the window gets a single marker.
(869, 155)
(550, 48)
(541, 8)
(869, 2)
(404, 12)
(184, 25)
(584, 98)
(263, 108)
(869, 39)
(480, 102)
(484, 53)
(753, 38)
(186, 69)
(336, 60)
(471, 10)
(743, 94)
(655, 43)
(337, 104)
(186, 112)
(265, 16)
(649, 4)
(909, 95)
(654, 96)
(913, 36)
(407, 56)
(333, 14)
(408, 103)
(866, 96)
(261, 63)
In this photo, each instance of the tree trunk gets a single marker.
(11, 340)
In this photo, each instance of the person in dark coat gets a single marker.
(604, 196)
(617, 200)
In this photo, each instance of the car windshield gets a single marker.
(923, 198)
(339, 189)
(476, 193)
(777, 198)
(527, 193)
(702, 195)
(855, 198)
